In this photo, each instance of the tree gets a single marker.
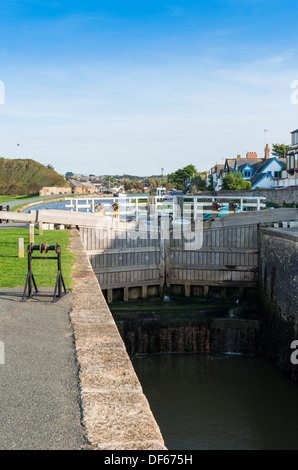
(235, 181)
(153, 183)
(179, 177)
(199, 182)
(168, 186)
(133, 186)
(109, 179)
(210, 186)
(280, 150)
(128, 186)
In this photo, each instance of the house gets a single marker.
(239, 163)
(81, 187)
(216, 175)
(261, 172)
(289, 176)
(53, 190)
(268, 172)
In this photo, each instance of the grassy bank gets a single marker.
(13, 270)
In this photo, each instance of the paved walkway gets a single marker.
(28, 201)
(39, 396)
(6, 225)
(53, 393)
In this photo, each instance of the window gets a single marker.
(295, 138)
(276, 174)
(247, 173)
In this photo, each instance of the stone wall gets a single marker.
(53, 190)
(115, 412)
(198, 333)
(279, 287)
(279, 196)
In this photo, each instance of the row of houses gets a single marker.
(263, 172)
(79, 187)
(73, 188)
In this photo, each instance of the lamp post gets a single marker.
(18, 150)
(161, 178)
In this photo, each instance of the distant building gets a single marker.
(261, 172)
(236, 164)
(216, 175)
(82, 187)
(289, 176)
(53, 190)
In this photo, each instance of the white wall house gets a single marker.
(289, 176)
(216, 175)
(262, 173)
(267, 172)
(263, 180)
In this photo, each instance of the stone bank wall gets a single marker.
(279, 287)
(279, 196)
(199, 333)
(115, 412)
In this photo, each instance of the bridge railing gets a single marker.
(181, 206)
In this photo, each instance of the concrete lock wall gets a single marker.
(279, 267)
(278, 261)
(116, 413)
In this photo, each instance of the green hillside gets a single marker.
(26, 176)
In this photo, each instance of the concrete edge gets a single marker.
(115, 412)
(286, 234)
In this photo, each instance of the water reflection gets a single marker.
(220, 402)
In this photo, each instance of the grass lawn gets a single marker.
(13, 270)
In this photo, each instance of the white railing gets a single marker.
(190, 206)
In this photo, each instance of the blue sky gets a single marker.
(113, 87)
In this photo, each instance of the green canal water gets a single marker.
(222, 401)
(204, 394)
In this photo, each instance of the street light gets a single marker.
(162, 178)
(18, 150)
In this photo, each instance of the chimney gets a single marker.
(251, 155)
(267, 152)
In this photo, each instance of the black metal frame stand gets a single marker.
(30, 278)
